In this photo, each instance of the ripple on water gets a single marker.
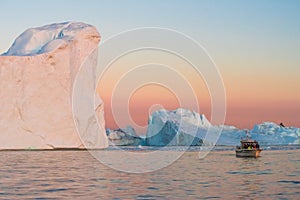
(289, 181)
(262, 172)
(149, 197)
(55, 190)
(152, 188)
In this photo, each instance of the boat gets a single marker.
(248, 148)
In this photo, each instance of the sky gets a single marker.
(255, 45)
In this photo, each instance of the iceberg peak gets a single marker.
(47, 38)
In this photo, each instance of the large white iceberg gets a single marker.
(37, 75)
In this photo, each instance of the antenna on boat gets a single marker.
(247, 134)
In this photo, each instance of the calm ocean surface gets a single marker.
(77, 175)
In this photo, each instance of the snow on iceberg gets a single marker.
(47, 38)
(36, 87)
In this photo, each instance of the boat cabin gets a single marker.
(249, 144)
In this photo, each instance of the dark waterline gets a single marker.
(76, 174)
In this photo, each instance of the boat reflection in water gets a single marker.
(248, 148)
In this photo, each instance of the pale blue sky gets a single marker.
(221, 24)
(253, 33)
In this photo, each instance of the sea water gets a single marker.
(78, 175)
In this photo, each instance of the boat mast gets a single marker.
(247, 134)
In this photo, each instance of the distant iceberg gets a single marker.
(269, 133)
(175, 128)
(123, 137)
(183, 127)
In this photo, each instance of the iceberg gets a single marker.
(37, 76)
(266, 133)
(123, 137)
(175, 128)
(185, 127)
(269, 133)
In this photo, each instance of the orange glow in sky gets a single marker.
(252, 96)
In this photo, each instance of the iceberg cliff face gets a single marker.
(175, 128)
(36, 82)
